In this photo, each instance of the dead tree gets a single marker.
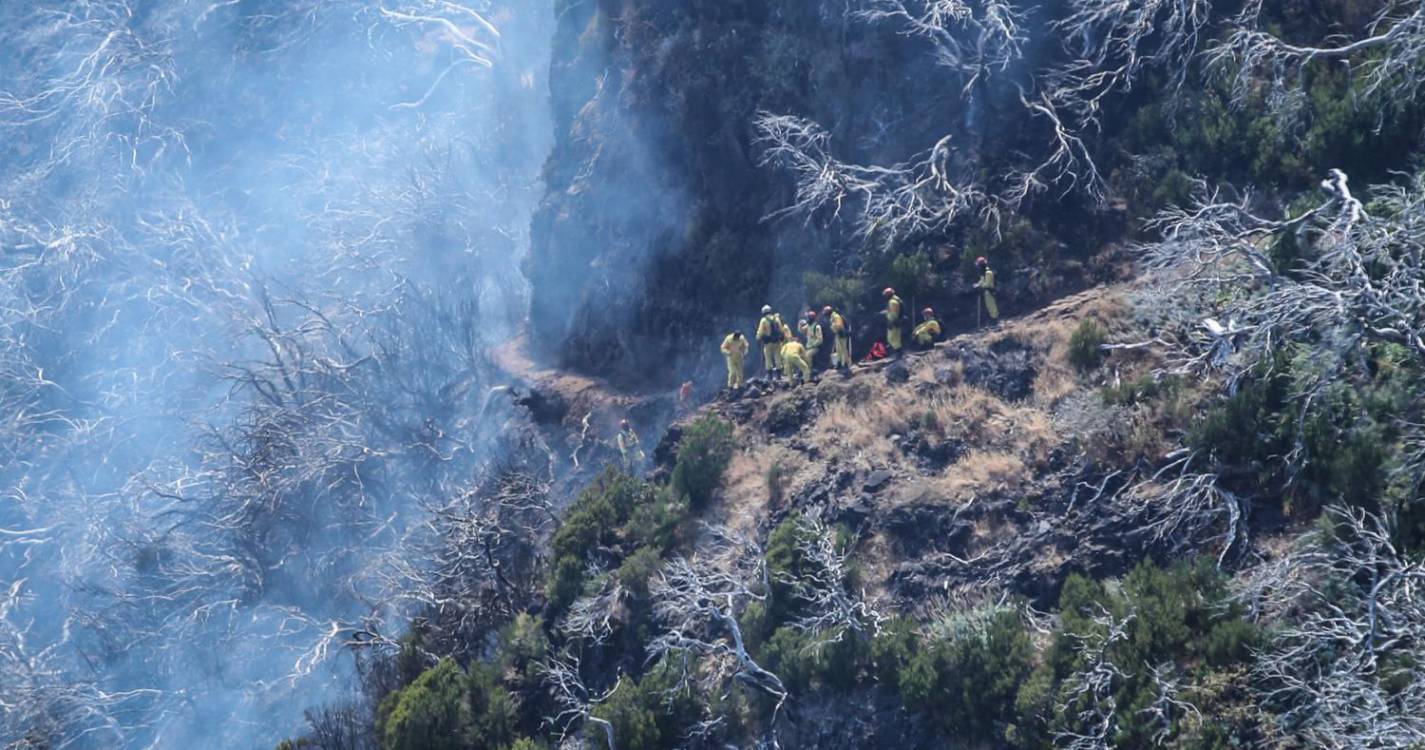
(1348, 610)
(1087, 696)
(576, 702)
(919, 196)
(1387, 58)
(1358, 281)
(697, 603)
(831, 612)
(973, 38)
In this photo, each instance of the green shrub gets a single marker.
(522, 644)
(651, 713)
(785, 562)
(637, 570)
(843, 292)
(656, 523)
(428, 714)
(445, 708)
(634, 720)
(893, 648)
(596, 520)
(967, 682)
(806, 661)
(912, 275)
(703, 456)
(1084, 343)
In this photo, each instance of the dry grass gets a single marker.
(746, 496)
(858, 435)
(979, 472)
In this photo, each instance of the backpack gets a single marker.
(775, 335)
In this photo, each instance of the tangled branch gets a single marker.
(913, 198)
(1349, 608)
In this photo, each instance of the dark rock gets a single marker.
(788, 415)
(898, 372)
(1007, 371)
(666, 453)
(877, 480)
(922, 527)
(544, 408)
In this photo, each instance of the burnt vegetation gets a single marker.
(248, 469)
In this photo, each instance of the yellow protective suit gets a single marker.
(926, 333)
(841, 331)
(814, 338)
(794, 358)
(734, 348)
(630, 449)
(767, 335)
(893, 324)
(987, 284)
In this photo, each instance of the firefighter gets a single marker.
(629, 448)
(734, 348)
(894, 310)
(928, 331)
(794, 358)
(811, 331)
(986, 285)
(771, 334)
(841, 332)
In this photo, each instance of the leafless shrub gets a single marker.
(912, 198)
(974, 38)
(1388, 59)
(832, 612)
(697, 602)
(1357, 282)
(1343, 670)
(576, 702)
(1087, 695)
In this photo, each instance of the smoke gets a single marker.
(251, 254)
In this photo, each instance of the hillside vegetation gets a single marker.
(1182, 510)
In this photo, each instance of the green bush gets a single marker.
(703, 456)
(805, 661)
(967, 682)
(429, 714)
(596, 520)
(913, 276)
(893, 648)
(1084, 343)
(1180, 617)
(651, 713)
(445, 708)
(845, 293)
(785, 562)
(656, 523)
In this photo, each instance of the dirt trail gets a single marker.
(580, 393)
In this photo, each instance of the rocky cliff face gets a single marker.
(653, 235)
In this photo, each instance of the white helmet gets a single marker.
(766, 309)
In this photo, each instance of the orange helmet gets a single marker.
(982, 261)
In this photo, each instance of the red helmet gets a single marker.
(811, 314)
(623, 423)
(889, 292)
(826, 311)
(927, 312)
(982, 261)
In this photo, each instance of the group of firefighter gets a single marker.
(791, 355)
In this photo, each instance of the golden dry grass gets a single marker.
(746, 495)
(980, 472)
